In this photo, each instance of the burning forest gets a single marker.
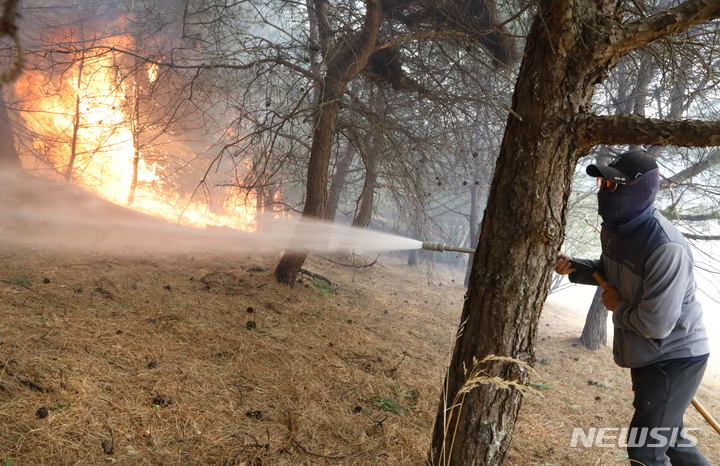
(188, 115)
(93, 113)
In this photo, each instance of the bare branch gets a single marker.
(633, 129)
(712, 160)
(675, 215)
(681, 18)
(279, 60)
(701, 237)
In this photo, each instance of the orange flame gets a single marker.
(88, 112)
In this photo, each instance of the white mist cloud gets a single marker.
(54, 215)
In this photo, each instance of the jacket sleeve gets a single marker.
(584, 270)
(668, 273)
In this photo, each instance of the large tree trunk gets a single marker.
(9, 159)
(569, 49)
(512, 268)
(594, 334)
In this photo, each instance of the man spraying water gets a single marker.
(659, 333)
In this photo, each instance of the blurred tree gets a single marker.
(8, 154)
(8, 28)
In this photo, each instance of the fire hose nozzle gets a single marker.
(441, 247)
(430, 246)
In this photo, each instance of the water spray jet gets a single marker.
(49, 214)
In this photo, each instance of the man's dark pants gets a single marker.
(663, 391)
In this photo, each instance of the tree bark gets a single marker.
(594, 334)
(569, 49)
(632, 129)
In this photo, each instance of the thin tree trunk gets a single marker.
(413, 257)
(594, 334)
(269, 205)
(135, 126)
(474, 235)
(640, 94)
(371, 159)
(9, 159)
(313, 49)
(264, 203)
(338, 181)
(471, 257)
(416, 232)
(260, 202)
(343, 163)
(364, 213)
(76, 123)
(416, 218)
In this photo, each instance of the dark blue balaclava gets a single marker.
(629, 200)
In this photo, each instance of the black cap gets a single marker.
(625, 168)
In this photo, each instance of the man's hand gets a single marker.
(610, 298)
(562, 264)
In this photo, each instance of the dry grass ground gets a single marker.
(204, 360)
(196, 360)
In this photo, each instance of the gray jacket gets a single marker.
(650, 264)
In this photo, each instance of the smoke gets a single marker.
(49, 214)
